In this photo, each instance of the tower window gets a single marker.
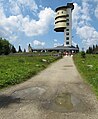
(67, 19)
(67, 38)
(67, 15)
(67, 29)
(67, 24)
(67, 33)
(67, 43)
(62, 12)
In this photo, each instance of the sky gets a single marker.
(24, 22)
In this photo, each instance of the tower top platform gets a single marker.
(69, 5)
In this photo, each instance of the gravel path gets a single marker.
(58, 92)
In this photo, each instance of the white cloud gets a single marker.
(2, 15)
(17, 5)
(57, 44)
(96, 12)
(96, 0)
(81, 23)
(85, 11)
(19, 23)
(30, 3)
(76, 13)
(90, 0)
(74, 43)
(34, 27)
(14, 8)
(38, 43)
(13, 38)
(11, 24)
(81, 15)
(88, 34)
(55, 40)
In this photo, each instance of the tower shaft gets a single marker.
(68, 29)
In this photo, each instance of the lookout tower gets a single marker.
(63, 22)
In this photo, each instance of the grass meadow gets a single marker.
(15, 69)
(88, 68)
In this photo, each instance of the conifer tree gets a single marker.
(24, 50)
(19, 49)
(13, 50)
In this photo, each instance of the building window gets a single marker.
(67, 29)
(58, 13)
(67, 38)
(67, 33)
(67, 15)
(62, 12)
(67, 19)
(67, 24)
(67, 43)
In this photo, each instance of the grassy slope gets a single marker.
(88, 68)
(15, 69)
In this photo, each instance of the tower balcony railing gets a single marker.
(61, 16)
(63, 21)
(60, 19)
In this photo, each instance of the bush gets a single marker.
(83, 55)
(5, 47)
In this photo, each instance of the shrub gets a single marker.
(83, 55)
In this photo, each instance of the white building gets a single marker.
(63, 22)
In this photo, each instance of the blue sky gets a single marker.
(24, 22)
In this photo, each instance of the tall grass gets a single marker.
(15, 69)
(88, 68)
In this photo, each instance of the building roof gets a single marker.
(69, 5)
(58, 48)
(66, 47)
(62, 7)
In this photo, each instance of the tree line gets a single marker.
(92, 50)
(7, 48)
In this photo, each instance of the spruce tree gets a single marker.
(24, 50)
(77, 47)
(90, 50)
(93, 48)
(13, 50)
(19, 49)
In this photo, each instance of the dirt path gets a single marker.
(56, 93)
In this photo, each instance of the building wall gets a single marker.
(68, 34)
(60, 19)
(63, 22)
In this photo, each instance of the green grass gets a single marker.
(15, 69)
(88, 68)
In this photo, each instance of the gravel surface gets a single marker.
(58, 92)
